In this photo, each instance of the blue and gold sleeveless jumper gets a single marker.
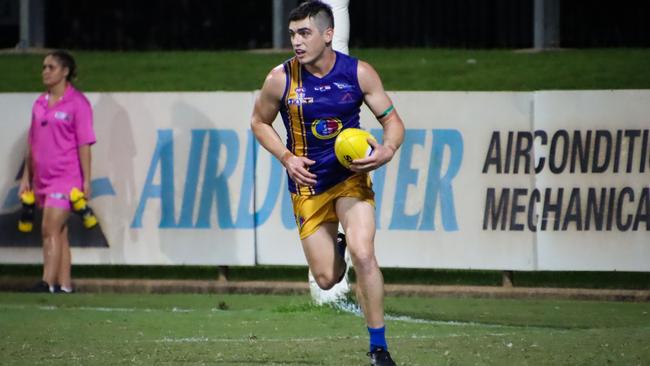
(315, 110)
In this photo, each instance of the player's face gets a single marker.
(53, 72)
(307, 41)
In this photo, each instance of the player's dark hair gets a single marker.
(321, 12)
(65, 59)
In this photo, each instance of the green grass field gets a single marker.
(401, 69)
(107, 329)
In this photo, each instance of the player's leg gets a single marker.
(358, 219)
(328, 282)
(53, 225)
(341, 290)
(65, 266)
(326, 264)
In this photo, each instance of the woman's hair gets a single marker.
(66, 60)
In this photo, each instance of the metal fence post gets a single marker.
(546, 32)
(32, 24)
(281, 9)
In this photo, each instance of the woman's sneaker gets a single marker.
(58, 289)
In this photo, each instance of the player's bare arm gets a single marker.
(381, 106)
(265, 110)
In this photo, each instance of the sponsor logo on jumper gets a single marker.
(343, 86)
(322, 88)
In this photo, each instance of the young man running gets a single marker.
(318, 93)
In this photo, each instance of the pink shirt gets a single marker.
(55, 136)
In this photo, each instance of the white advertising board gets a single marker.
(179, 179)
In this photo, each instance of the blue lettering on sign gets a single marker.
(163, 155)
(216, 185)
(405, 177)
(438, 187)
(288, 219)
(192, 178)
(276, 186)
(223, 147)
(245, 218)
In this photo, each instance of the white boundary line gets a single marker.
(347, 307)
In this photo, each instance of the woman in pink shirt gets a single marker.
(58, 159)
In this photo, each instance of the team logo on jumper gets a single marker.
(60, 115)
(326, 128)
(322, 88)
(300, 98)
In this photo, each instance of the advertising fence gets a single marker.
(551, 180)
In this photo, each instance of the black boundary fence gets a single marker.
(247, 24)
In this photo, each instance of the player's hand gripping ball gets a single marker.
(351, 144)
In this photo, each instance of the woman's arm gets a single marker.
(85, 159)
(26, 180)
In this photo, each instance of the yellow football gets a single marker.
(351, 144)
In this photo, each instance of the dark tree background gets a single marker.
(245, 24)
